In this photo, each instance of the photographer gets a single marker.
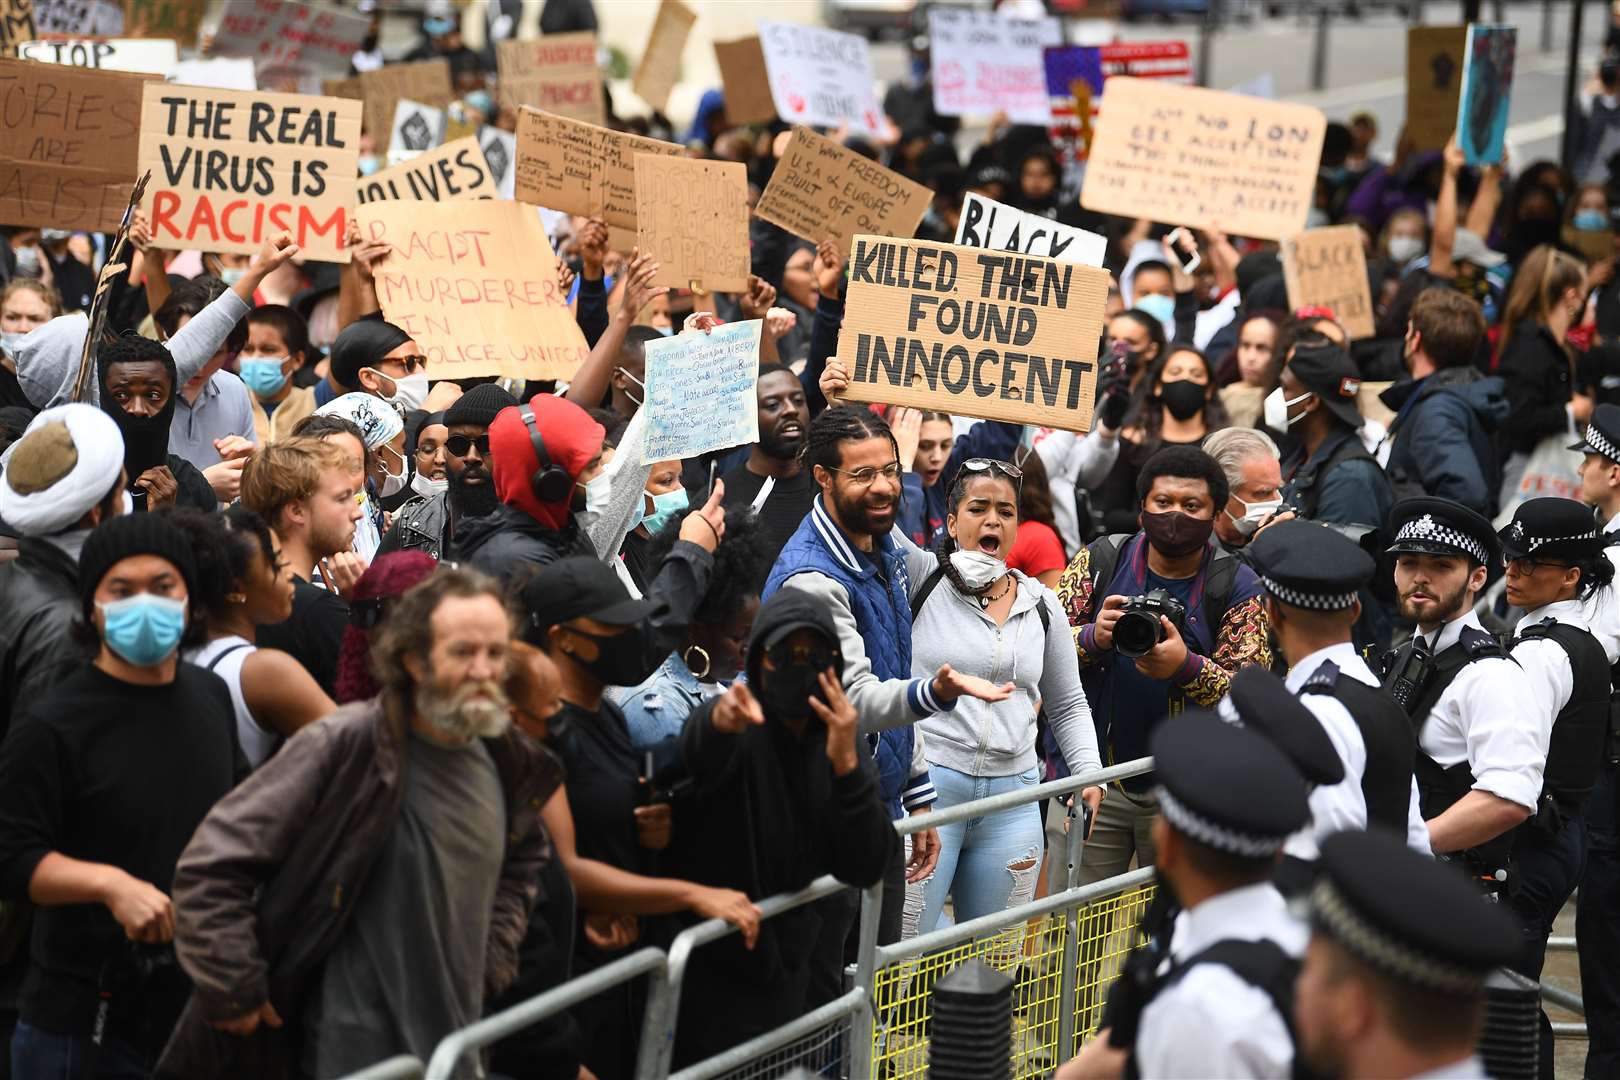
(1163, 617)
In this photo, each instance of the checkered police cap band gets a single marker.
(1427, 530)
(1212, 833)
(1309, 601)
(1531, 543)
(1372, 945)
(1601, 443)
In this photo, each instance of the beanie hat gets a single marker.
(572, 439)
(478, 406)
(133, 534)
(362, 344)
(61, 469)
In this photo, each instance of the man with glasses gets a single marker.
(847, 557)
(429, 524)
(377, 358)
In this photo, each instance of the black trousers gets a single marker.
(1546, 870)
(1597, 927)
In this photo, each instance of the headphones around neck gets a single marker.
(551, 482)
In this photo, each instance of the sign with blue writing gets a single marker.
(700, 392)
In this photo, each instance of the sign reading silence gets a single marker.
(821, 77)
(232, 169)
(972, 332)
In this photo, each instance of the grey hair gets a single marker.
(1231, 447)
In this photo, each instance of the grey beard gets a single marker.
(461, 714)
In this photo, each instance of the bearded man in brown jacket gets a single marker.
(365, 891)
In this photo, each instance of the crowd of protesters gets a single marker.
(342, 705)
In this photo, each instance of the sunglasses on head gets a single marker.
(992, 466)
(460, 444)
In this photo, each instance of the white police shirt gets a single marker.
(1545, 662)
(1492, 717)
(1601, 610)
(1212, 1023)
(1341, 806)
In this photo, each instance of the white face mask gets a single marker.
(597, 490)
(978, 570)
(429, 488)
(1254, 515)
(410, 392)
(1276, 410)
(1403, 249)
(393, 482)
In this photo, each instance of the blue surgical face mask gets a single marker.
(230, 275)
(1590, 220)
(9, 340)
(369, 163)
(667, 331)
(665, 507)
(263, 375)
(143, 629)
(1162, 308)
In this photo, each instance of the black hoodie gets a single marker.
(768, 816)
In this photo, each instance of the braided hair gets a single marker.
(845, 423)
(945, 545)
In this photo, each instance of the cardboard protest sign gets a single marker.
(821, 190)
(79, 18)
(986, 223)
(456, 170)
(984, 63)
(745, 82)
(976, 333)
(700, 392)
(69, 145)
(152, 56)
(582, 169)
(1328, 267)
(232, 169)
(427, 81)
(557, 73)
(693, 215)
(416, 128)
(1434, 63)
(820, 77)
(291, 42)
(1487, 91)
(224, 73)
(475, 283)
(660, 66)
(177, 19)
(1188, 156)
(16, 25)
(500, 151)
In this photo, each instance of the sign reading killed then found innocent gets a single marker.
(992, 334)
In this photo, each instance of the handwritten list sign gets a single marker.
(291, 42)
(660, 66)
(1188, 156)
(693, 215)
(700, 392)
(578, 168)
(821, 77)
(69, 146)
(984, 63)
(557, 73)
(976, 333)
(820, 190)
(475, 284)
(232, 169)
(456, 170)
(1328, 267)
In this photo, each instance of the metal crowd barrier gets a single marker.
(1078, 938)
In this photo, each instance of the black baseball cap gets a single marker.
(579, 588)
(1326, 370)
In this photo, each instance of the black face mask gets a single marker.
(1183, 398)
(146, 438)
(785, 692)
(621, 660)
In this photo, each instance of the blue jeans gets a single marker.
(45, 1055)
(986, 864)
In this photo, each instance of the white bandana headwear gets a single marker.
(98, 450)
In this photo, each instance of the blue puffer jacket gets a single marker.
(883, 617)
(1445, 437)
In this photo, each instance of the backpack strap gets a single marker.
(1218, 583)
(214, 663)
(931, 582)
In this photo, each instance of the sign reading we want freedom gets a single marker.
(992, 334)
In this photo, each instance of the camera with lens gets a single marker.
(1139, 629)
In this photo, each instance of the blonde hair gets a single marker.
(1544, 276)
(288, 471)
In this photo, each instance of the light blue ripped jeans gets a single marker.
(986, 864)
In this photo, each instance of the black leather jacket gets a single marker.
(422, 524)
(39, 601)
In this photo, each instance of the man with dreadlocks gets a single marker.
(844, 556)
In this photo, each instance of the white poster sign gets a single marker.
(148, 56)
(986, 223)
(700, 392)
(417, 127)
(983, 64)
(220, 72)
(820, 77)
(500, 150)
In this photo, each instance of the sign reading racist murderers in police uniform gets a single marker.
(993, 334)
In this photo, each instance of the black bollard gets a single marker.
(972, 1030)
(1510, 1038)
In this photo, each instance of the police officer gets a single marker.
(1554, 560)
(1597, 906)
(1312, 576)
(1219, 1003)
(1393, 980)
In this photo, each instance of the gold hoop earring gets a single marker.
(686, 657)
(236, 598)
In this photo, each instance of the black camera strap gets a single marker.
(1219, 577)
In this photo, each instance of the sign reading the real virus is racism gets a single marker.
(475, 284)
(820, 190)
(557, 73)
(456, 170)
(231, 169)
(578, 168)
(1189, 156)
(981, 333)
(69, 144)
(1328, 268)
